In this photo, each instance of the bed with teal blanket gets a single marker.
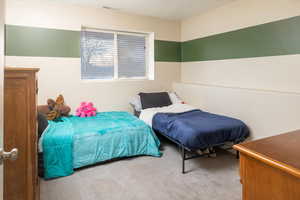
(74, 142)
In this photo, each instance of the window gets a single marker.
(113, 55)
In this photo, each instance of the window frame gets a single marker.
(149, 54)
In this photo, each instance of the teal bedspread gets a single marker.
(75, 142)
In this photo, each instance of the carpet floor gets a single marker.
(150, 178)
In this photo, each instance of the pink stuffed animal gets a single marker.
(86, 109)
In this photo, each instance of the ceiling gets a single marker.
(167, 9)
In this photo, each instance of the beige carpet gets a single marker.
(149, 178)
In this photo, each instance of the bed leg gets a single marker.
(183, 159)
(237, 155)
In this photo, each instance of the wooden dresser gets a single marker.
(270, 167)
(20, 131)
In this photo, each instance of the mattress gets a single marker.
(196, 129)
(74, 142)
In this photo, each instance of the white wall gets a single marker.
(268, 73)
(276, 73)
(264, 91)
(47, 14)
(62, 75)
(265, 112)
(237, 15)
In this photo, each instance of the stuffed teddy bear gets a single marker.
(55, 109)
(86, 109)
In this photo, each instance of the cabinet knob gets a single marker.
(11, 155)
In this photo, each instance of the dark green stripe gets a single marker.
(167, 51)
(42, 42)
(271, 39)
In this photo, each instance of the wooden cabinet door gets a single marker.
(20, 179)
(2, 15)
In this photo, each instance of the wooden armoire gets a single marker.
(21, 180)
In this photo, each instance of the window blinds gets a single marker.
(131, 56)
(97, 55)
(108, 55)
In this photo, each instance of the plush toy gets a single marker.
(86, 109)
(55, 109)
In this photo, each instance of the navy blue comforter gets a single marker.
(199, 130)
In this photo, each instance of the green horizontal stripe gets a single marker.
(167, 51)
(271, 39)
(43, 42)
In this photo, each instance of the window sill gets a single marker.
(115, 80)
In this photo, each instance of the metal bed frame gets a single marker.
(184, 151)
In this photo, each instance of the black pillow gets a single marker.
(42, 123)
(152, 100)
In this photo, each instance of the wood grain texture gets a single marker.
(280, 151)
(269, 168)
(20, 131)
(261, 181)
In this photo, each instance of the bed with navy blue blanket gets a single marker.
(74, 142)
(196, 129)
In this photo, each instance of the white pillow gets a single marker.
(135, 102)
(174, 98)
